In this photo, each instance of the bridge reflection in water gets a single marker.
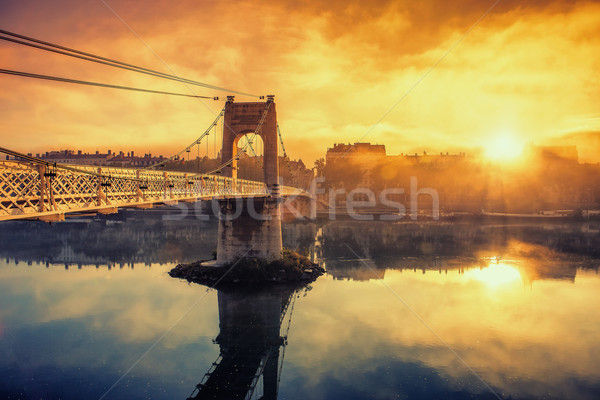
(253, 328)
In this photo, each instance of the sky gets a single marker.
(433, 76)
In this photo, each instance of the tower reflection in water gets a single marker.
(252, 339)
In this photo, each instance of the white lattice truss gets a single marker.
(31, 191)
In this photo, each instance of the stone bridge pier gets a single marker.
(249, 227)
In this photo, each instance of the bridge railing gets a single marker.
(287, 191)
(30, 190)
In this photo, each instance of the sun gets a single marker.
(503, 147)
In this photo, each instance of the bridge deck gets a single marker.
(30, 191)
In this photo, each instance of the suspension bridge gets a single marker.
(33, 188)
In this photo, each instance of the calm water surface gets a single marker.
(406, 311)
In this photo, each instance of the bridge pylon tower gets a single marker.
(250, 227)
(243, 118)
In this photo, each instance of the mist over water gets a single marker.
(406, 310)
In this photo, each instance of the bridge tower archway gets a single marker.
(241, 119)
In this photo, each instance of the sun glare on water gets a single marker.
(496, 275)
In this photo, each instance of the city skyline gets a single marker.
(340, 150)
(522, 74)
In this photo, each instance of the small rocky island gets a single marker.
(290, 268)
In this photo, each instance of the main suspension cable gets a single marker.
(98, 84)
(51, 47)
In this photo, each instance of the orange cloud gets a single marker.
(334, 67)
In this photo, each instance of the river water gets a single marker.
(467, 310)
